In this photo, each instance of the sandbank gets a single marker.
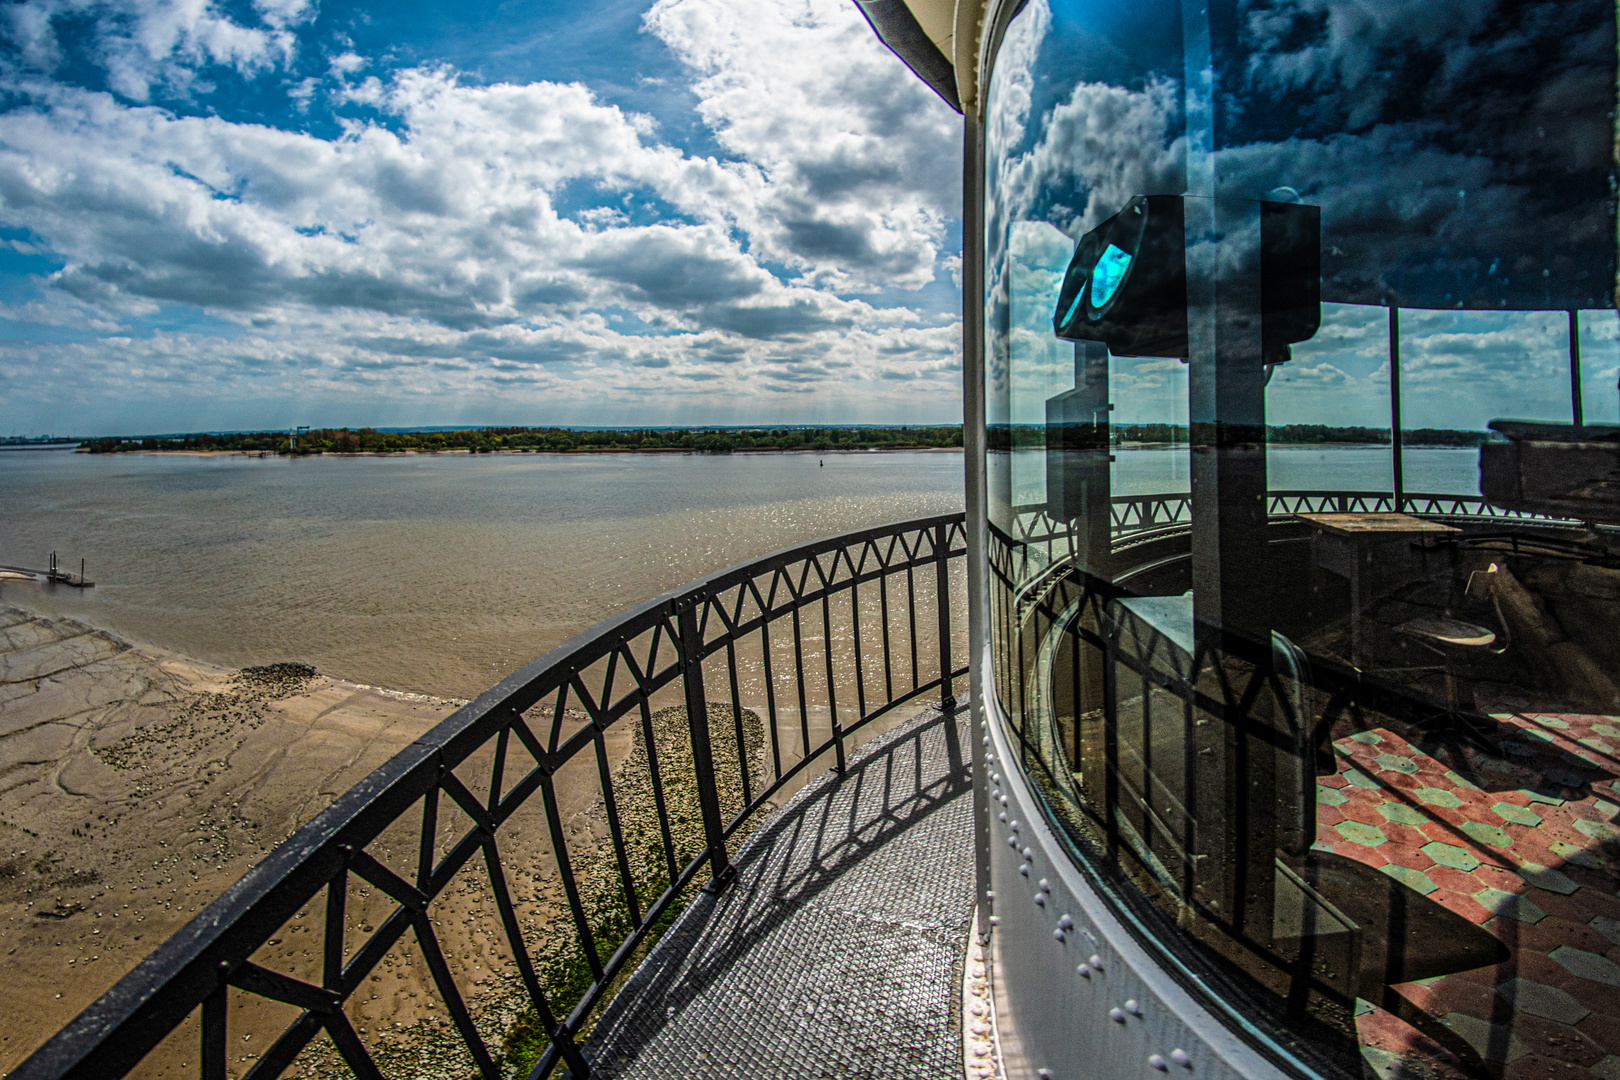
(136, 785)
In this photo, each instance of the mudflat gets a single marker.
(136, 785)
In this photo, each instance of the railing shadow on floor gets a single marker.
(891, 838)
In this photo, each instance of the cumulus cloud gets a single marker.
(454, 233)
(857, 156)
(141, 45)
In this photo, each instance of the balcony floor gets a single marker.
(839, 949)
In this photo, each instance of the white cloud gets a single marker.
(858, 158)
(521, 236)
(145, 44)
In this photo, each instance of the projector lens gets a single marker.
(1106, 276)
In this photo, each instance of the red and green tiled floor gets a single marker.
(1527, 848)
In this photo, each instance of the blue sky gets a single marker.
(258, 213)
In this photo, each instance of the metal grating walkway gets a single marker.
(838, 951)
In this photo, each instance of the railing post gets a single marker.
(214, 1046)
(942, 604)
(721, 872)
(1397, 473)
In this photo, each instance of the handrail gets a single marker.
(607, 673)
(1036, 539)
(1130, 515)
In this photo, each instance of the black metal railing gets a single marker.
(1134, 514)
(1043, 539)
(878, 607)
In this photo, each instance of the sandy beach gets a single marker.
(135, 786)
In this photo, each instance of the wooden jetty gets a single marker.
(55, 575)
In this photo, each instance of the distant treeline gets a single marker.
(1033, 436)
(552, 440)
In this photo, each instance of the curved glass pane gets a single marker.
(1305, 535)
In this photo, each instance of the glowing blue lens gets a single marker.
(1106, 276)
(1068, 316)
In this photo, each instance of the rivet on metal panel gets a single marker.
(995, 920)
(1084, 970)
(1045, 1074)
(1095, 961)
(1013, 826)
(1116, 1015)
(1040, 901)
(1181, 1057)
(1158, 1062)
(987, 740)
(1024, 870)
(1029, 854)
(990, 894)
(1046, 886)
(1012, 841)
(1003, 817)
(1003, 800)
(1133, 1008)
(1066, 922)
(1059, 935)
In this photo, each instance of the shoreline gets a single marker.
(588, 452)
(633, 451)
(137, 784)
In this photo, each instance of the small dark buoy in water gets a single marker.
(823, 464)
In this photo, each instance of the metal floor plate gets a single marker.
(837, 952)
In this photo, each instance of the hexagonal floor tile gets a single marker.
(1543, 878)
(1400, 812)
(1609, 928)
(1509, 906)
(1437, 797)
(1490, 835)
(1412, 879)
(1396, 763)
(1494, 1042)
(1518, 815)
(1539, 999)
(1357, 833)
(1597, 830)
(1326, 796)
(1450, 855)
(1361, 780)
(1586, 965)
(1572, 853)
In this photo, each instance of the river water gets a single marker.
(443, 573)
(434, 573)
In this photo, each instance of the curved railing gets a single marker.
(830, 635)
(1131, 514)
(1042, 539)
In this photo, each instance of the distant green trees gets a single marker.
(551, 440)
